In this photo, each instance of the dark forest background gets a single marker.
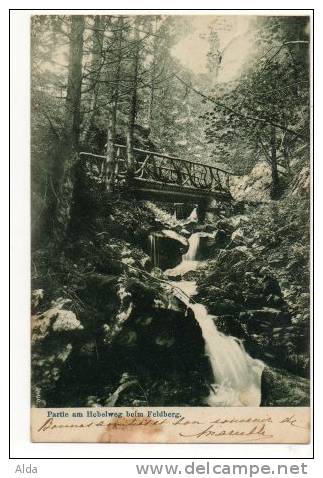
(100, 77)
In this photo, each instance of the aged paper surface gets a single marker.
(170, 177)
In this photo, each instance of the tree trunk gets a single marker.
(73, 96)
(286, 157)
(133, 105)
(112, 122)
(152, 85)
(97, 44)
(60, 181)
(275, 186)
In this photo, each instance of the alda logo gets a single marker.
(26, 469)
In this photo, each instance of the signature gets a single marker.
(255, 432)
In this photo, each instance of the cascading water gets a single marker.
(237, 376)
(194, 242)
(189, 262)
(154, 249)
(193, 216)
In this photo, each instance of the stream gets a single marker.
(236, 375)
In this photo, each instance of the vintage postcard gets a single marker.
(170, 262)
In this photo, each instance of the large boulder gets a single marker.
(54, 320)
(166, 347)
(254, 186)
(282, 389)
(53, 333)
(167, 248)
(219, 240)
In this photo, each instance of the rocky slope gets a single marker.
(104, 330)
(257, 285)
(107, 329)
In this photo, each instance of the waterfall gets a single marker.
(154, 249)
(193, 216)
(189, 262)
(194, 242)
(237, 376)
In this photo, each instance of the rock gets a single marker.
(239, 207)
(40, 326)
(173, 303)
(167, 250)
(269, 316)
(229, 325)
(184, 232)
(229, 257)
(282, 389)
(53, 320)
(238, 237)
(301, 183)
(99, 287)
(254, 300)
(226, 306)
(271, 286)
(163, 342)
(141, 293)
(66, 320)
(254, 186)
(48, 360)
(211, 216)
(208, 228)
(36, 297)
(191, 226)
(89, 349)
(238, 221)
(177, 237)
(101, 281)
(244, 249)
(147, 264)
(225, 225)
(266, 314)
(127, 338)
(219, 241)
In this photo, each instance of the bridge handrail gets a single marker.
(91, 154)
(160, 155)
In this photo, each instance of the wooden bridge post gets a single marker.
(179, 210)
(110, 166)
(130, 157)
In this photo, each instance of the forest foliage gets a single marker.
(100, 80)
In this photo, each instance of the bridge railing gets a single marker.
(150, 166)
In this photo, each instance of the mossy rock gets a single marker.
(282, 389)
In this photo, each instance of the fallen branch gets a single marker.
(160, 280)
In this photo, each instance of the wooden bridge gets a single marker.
(162, 177)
